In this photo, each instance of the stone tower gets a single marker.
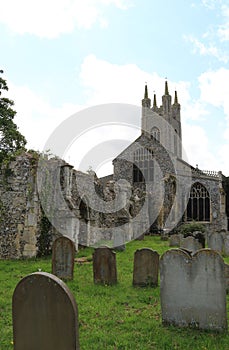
(163, 123)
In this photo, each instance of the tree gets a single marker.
(11, 140)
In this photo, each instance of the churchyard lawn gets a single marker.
(118, 317)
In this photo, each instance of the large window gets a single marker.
(143, 165)
(199, 203)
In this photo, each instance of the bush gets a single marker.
(191, 227)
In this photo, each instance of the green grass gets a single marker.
(117, 317)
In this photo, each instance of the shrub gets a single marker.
(191, 227)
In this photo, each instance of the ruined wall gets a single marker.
(40, 201)
(19, 208)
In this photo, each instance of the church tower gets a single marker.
(163, 123)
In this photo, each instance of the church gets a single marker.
(173, 190)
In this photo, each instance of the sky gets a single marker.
(60, 57)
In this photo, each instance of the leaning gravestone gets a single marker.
(104, 266)
(146, 265)
(63, 253)
(216, 241)
(190, 243)
(45, 314)
(193, 289)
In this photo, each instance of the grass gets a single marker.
(117, 317)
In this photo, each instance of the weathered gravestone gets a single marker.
(45, 314)
(193, 289)
(174, 240)
(216, 241)
(104, 266)
(226, 271)
(63, 253)
(190, 243)
(146, 266)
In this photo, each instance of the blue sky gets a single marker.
(62, 56)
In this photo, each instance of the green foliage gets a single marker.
(11, 140)
(191, 227)
(45, 238)
(118, 317)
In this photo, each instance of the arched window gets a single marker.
(143, 165)
(198, 208)
(155, 133)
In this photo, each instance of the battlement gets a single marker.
(211, 173)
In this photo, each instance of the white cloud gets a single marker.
(51, 18)
(105, 82)
(223, 31)
(214, 88)
(36, 117)
(195, 137)
(207, 49)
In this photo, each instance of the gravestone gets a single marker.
(190, 243)
(146, 265)
(104, 266)
(174, 240)
(200, 236)
(216, 241)
(63, 253)
(193, 292)
(226, 271)
(45, 314)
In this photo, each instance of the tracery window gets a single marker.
(198, 208)
(143, 165)
(155, 133)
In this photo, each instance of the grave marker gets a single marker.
(146, 265)
(45, 314)
(63, 253)
(104, 266)
(193, 292)
(190, 243)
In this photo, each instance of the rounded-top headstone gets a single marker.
(45, 314)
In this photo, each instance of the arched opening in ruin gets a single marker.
(83, 238)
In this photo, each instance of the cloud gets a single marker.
(49, 19)
(104, 82)
(36, 117)
(212, 41)
(223, 31)
(193, 135)
(214, 88)
(207, 49)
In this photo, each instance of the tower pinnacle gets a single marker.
(166, 88)
(146, 102)
(175, 98)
